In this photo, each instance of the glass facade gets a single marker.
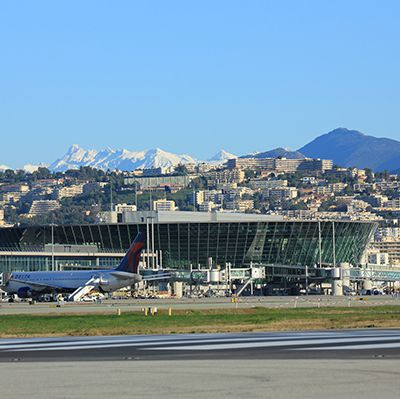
(28, 263)
(297, 243)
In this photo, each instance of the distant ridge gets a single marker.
(353, 148)
(4, 168)
(276, 153)
(30, 168)
(221, 157)
(345, 147)
(123, 159)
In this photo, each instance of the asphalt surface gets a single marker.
(194, 379)
(133, 305)
(354, 364)
(349, 344)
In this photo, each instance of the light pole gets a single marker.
(319, 243)
(334, 244)
(52, 246)
(306, 280)
(137, 208)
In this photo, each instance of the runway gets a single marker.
(350, 344)
(356, 364)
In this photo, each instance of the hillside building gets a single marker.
(281, 165)
(163, 205)
(43, 207)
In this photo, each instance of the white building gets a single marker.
(68, 191)
(281, 193)
(240, 205)
(42, 207)
(121, 208)
(267, 184)
(163, 205)
(206, 206)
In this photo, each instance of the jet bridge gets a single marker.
(379, 273)
(4, 278)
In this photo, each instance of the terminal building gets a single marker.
(183, 240)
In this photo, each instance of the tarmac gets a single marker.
(330, 364)
(132, 305)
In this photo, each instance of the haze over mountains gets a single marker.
(345, 147)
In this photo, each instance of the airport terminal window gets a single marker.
(273, 242)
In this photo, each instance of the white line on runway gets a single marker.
(354, 347)
(171, 340)
(207, 342)
(129, 343)
(271, 344)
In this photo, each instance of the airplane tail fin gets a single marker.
(130, 263)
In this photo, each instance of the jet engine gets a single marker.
(25, 292)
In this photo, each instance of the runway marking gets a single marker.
(354, 347)
(272, 344)
(145, 343)
(210, 342)
(80, 343)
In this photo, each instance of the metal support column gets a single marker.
(333, 244)
(319, 244)
(147, 243)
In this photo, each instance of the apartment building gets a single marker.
(281, 193)
(42, 207)
(239, 205)
(282, 165)
(164, 205)
(225, 176)
(68, 191)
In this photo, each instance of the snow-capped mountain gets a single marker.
(221, 157)
(117, 159)
(30, 168)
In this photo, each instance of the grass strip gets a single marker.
(199, 321)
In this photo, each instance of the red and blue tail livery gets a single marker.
(131, 260)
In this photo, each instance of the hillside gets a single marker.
(276, 153)
(353, 148)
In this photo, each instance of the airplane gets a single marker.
(80, 282)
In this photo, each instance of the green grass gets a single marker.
(218, 320)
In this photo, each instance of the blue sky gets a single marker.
(193, 76)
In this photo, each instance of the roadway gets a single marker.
(132, 305)
(330, 364)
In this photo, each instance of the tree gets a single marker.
(181, 170)
(370, 175)
(42, 173)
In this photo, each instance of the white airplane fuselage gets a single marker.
(28, 284)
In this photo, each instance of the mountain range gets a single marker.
(124, 159)
(3, 168)
(276, 153)
(353, 148)
(347, 148)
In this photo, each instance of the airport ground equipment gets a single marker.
(80, 292)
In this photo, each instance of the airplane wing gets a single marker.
(157, 277)
(122, 275)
